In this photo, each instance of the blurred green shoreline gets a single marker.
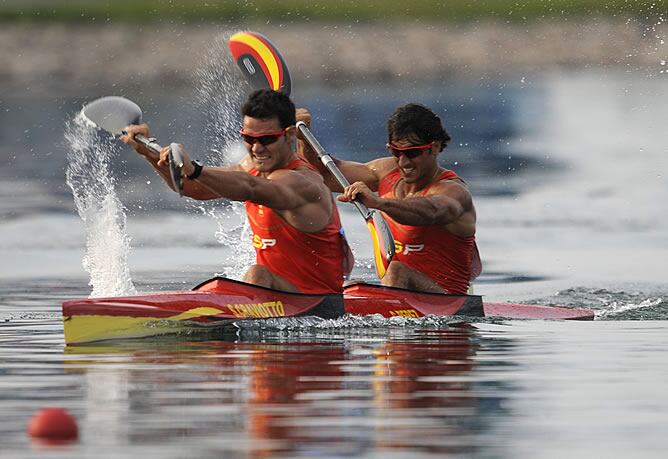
(44, 47)
(191, 11)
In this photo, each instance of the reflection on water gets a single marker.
(482, 390)
(342, 393)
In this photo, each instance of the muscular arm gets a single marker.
(191, 188)
(197, 189)
(284, 190)
(447, 203)
(423, 211)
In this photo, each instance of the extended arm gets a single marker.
(284, 189)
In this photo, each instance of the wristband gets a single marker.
(198, 170)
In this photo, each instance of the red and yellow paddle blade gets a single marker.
(383, 242)
(260, 62)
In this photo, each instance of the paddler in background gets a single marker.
(296, 227)
(428, 208)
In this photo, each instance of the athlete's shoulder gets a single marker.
(447, 179)
(382, 167)
(452, 189)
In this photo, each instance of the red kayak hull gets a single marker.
(212, 303)
(232, 300)
(219, 300)
(390, 301)
(364, 299)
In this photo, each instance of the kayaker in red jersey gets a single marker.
(296, 227)
(428, 208)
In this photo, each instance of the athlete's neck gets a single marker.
(423, 182)
(288, 159)
(283, 164)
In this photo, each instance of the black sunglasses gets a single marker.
(262, 139)
(409, 152)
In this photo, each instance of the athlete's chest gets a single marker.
(403, 191)
(262, 217)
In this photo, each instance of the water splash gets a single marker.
(233, 232)
(348, 322)
(219, 94)
(616, 304)
(618, 308)
(279, 323)
(220, 91)
(107, 243)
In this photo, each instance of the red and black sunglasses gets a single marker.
(410, 152)
(263, 139)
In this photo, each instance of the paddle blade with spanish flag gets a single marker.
(260, 62)
(383, 242)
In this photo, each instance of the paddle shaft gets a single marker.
(148, 143)
(329, 163)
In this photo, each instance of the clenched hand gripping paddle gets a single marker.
(264, 67)
(113, 114)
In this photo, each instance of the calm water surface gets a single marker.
(550, 161)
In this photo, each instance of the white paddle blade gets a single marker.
(112, 113)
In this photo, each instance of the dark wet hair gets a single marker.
(265, 104)
(415, 120)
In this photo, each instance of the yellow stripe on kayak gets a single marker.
(196, 312)
(84, 329)
(265, 53)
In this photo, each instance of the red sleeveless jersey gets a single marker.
(444, 257)
(312, 262)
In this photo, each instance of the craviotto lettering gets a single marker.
(266, 309)
(405, 313)
(405, 249)
(262, 243)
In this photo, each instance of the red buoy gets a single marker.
(53, 424)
